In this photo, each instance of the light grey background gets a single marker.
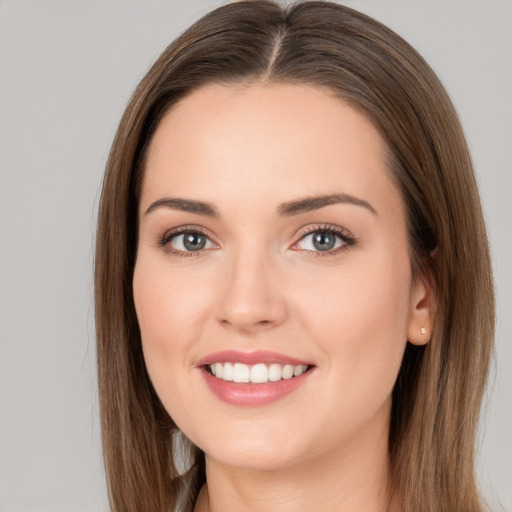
(67, 69)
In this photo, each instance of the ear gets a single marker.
(421, 312)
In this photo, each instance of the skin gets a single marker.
(259, 284)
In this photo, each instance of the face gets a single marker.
(272, 242)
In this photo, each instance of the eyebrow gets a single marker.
(309, 204)
(287, 209)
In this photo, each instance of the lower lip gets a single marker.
(247, 394)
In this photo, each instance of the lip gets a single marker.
(250, 358)
(249, 394)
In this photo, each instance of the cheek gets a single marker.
(169, 311)
(369, 309)
(168, 304)
(360, 323)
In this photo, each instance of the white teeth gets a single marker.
(298, 370)
(227, 372)
(240, 372)
(256, 374)
(259, 373)
(275, 372)
(288, 371)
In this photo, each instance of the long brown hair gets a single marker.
(436, 399)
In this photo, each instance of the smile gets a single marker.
(256, 374)
(253, 378)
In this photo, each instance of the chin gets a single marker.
(253, 460)
(256, 449)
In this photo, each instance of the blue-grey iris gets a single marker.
(324, 241)
(194, 241)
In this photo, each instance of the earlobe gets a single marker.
(419, 329)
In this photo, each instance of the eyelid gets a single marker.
(313, 228)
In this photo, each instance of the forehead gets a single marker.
(266, 142)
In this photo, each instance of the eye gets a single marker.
(322, 241)
(326, 240)
(183, 242)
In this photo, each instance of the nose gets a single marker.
(252, 297)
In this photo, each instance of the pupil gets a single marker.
(194, 241)
(324, 241)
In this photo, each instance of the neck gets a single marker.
(355, 477)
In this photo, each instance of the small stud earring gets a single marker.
(423, 330)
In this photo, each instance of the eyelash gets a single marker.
(343, 234)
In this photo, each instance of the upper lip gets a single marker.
(250, 358)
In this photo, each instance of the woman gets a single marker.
(293, 288)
